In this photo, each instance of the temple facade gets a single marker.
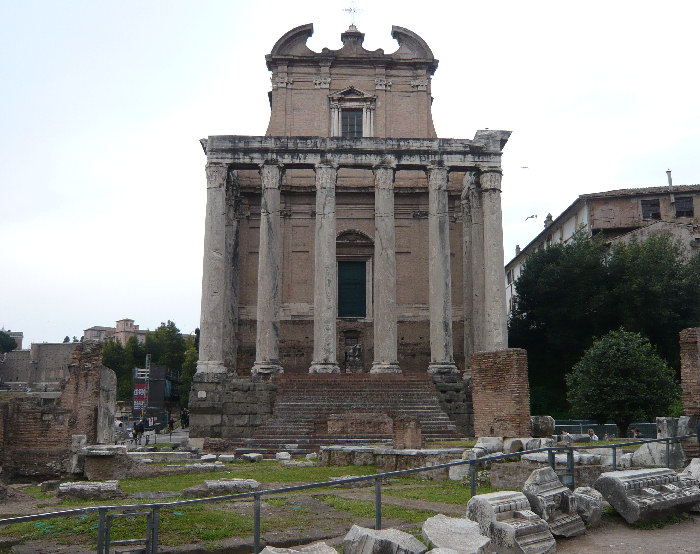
(349, 238)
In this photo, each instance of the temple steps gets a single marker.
(304, 402)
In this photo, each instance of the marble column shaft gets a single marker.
(385, 331)
(439, 274)
(495, 327)
(268, 303)
(467, 277)
(219, 308)
(325, 273)
(477, 266)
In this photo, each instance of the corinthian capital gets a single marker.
(216, 174)
(490, 178)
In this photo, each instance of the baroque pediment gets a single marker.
(351, 93)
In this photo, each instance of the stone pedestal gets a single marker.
(439, 274)
(325, 274)
(385, 331)
(268, 301)
(495, 313)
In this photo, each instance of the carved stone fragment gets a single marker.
(553, 502)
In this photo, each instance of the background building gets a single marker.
(619, 215)
(123, 331)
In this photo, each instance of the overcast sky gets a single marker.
(102, 104)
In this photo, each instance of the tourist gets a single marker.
(171, 423)
(592, 434)
(636, 433)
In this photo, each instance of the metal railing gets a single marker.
(104, 542)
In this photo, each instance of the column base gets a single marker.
(324, 367)
(211, 367)
(442, 368)
(266, 368)
(385, 367)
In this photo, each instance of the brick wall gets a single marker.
(690, 370)
(37, 431)
(501, 393)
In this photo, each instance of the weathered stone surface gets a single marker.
(640, 495)
(589, 505)
(542, 426)
(227, 457)
(553, 502)
(625, 461)
(459, 534)
(49, 486)
(106, 462)
(283, 456)
(505, 517)
(512, 476)
(473, 453)
(511, 446)
(534, 444)
(221, 487)
(208, 457)
(315, 548)
(360, 540)
(252, 457)
(159, 456)
(490, 444)
(653, 454)
(355, 484)
(312, 456)
(92, 489)
(459, 473)
(693, 470)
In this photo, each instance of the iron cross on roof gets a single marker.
(352, 10)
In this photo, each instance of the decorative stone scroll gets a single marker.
(640, 495)
(505, 517)
(553, 502)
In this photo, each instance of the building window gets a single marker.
(351, 123)
(352, 292)
(509, 276)
(651, 209)
(684, 206)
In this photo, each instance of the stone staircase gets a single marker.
(304, 403)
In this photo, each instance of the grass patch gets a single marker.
(365, 508)
(447, 492)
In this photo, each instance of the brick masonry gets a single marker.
(455, 397)
(690, 370)
(501, 393)
(36, 432)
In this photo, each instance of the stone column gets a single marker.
(385, 332)
(477, 266)
(268, 312)
(439, 276)
(216, 342)
(495, 318)
(325, 273)
(467, 277)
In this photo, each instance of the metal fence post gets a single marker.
(101, 531)
(154, 538)
(472, 478)
(256, 523)
(377, 504)
(570, 465)
(551, 458)
(668, 453)
(614, 460)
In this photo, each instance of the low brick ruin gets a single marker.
(501, 393)
(37, 431)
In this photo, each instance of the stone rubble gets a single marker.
(226, 458)
(640, 495)
(542, 426)
(553, 502)
(283, 456)
(90, 489)
(457, 534)
(505, 517)
(252, 457)
(361, 540)
(490, 444)
(315, 548)
(208, 457)
(589, 505)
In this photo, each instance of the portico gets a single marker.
(272, 157)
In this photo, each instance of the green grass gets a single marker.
(447, 492)
(365, 508)
(663, 522)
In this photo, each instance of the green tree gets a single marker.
(621, 378)
(569, 293)
(166, 346)
(7, 343)
(114, 356)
